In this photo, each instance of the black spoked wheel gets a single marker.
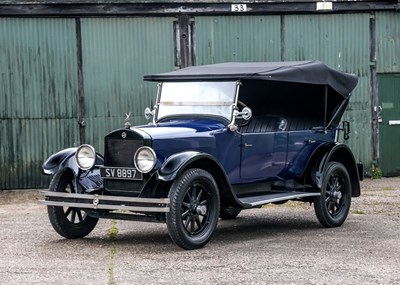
(66, 221)
(333, 206)
(228, 213)
(194, 209)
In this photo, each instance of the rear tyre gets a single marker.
(229, 213)
(194, 209)
(66, 221)
(332, 207)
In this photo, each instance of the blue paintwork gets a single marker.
(203, 135)
(245, 158)
(301, 146)
(178, 162)
(264, 158)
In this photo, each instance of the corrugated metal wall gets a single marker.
(39, 85)
(388, 42)
(237, 38)
(39, 88)
(38, 92)
(341, 41)
(116, 53)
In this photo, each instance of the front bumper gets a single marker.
(104, 202)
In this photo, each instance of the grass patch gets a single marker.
(376, 173)
(358, 212)
(388, 188)
(113, 232)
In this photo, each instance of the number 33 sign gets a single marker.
(238, 8)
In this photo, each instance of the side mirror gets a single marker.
(149, 114)
(346, 130)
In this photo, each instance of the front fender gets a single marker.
(176, 163)
(59, 160)
(65, 159)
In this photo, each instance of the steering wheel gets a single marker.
(241, 122)
(242, 105)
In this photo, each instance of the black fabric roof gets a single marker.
(308, 72)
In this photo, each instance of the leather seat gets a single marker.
(261, 124)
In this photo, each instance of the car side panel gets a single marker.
(301, 146)
(263, 156)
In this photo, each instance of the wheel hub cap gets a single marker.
(337, 195)
(201, 210)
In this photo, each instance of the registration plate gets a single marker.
(121, 173)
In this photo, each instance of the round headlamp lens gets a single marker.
(85, 157)
(145, 159)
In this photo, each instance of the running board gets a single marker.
(254, 201)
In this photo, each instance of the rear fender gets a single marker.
(340, 153)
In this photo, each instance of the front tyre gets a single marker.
(66, 221)
(194, 209)
(333, 206)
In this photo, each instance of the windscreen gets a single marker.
(196, 98)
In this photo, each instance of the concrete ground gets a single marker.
(273, 245)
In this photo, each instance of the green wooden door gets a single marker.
(389, 126)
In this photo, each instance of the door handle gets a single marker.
(247, 145)
(379, 111)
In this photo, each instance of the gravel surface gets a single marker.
(273, 245)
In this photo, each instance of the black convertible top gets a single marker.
(308, 72)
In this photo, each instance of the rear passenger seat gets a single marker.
(261, 124)
(298, 124)
(265, 123)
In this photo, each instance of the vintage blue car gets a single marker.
(222, 138)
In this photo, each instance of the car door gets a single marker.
(263, 156)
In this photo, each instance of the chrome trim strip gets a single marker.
(107, 198)
(105, 207)
(90, 201)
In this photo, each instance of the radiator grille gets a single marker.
(120, 153)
